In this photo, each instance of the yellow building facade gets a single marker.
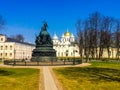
(11, 49)
(113, 53)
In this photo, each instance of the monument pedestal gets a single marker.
(44, 53)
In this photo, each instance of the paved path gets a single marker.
(49, 83)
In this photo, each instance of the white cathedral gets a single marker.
(65, 46)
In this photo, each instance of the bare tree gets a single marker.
(80, 38)
(101, 45)
(96, 35)
(86, 40)
(117, 38)
(106, 35)
(94, 21)
(18, 37)
(2, 22)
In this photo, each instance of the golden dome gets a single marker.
(67, 33)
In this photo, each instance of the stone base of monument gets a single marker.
(44, 59)
(44, 54)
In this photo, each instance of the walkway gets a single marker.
(49, 83)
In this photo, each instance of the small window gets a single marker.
(1, 39)
(10, 47)
(6, 47)
(10, 54)
(0, 54)
(1, 47)
(66, 54)
(5, 54)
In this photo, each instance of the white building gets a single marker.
(65, 46)
(12, 49)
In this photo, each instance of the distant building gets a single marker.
(65, 46)
(12, 49)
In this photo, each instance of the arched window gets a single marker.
(1, 39)
(6, 47)
(5, 54)
(10, 47)
(10, 54)
(1, 47)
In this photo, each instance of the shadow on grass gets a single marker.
(104, 74)
(91, 73)
(5, 72)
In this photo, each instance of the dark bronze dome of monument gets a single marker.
(44, 46)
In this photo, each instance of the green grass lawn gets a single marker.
(1, 62)
(19, 79)
(98, 76)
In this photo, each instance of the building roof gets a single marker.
(16, 41)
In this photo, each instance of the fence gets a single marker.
(42, 63)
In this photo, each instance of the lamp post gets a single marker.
(74, 57)
(23, 58)
(66, 55)
(3, 55)
(23, 55)
(74, 50)
(14, 56)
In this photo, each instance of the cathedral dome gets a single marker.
(67, 33)
(72, 35)
(55, 36)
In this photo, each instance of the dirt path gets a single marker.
(49, 82)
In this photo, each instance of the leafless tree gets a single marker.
(107, 27)
(2, 22)
(18, 37)
(80, 38)
(117, 38)
(86, 40)
(94, 21)
(96, 35)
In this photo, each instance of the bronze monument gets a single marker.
(44, 46)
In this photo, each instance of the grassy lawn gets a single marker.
(98, 76)
(19, 79)
(0, 62)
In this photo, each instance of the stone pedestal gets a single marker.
(44, 53)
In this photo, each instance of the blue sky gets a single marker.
(26, 16)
